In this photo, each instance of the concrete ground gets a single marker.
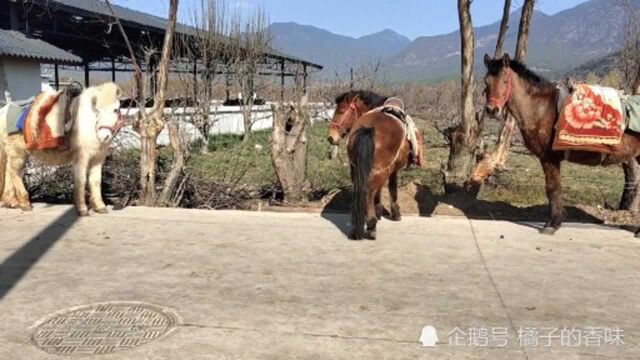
(262, 285)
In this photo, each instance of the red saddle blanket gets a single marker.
(44, 124)
(591, 120)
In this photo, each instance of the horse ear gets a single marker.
(506, 60)
(487, 59)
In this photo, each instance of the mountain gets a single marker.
(600, 67)
(335, 52)
(557, 43)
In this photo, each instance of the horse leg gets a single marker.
(378, 205)
(95, 186)
(393, 191)
(80, 184)
(18, 196)
(551, 168)
(377, 182)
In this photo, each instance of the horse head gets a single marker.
(349, 107)
(105, 105)
(498, 84)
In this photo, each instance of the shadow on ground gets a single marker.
(16, 266)
(419, 199)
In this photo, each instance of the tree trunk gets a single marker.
(247, 103)
(289, 149)
(498, 157)
(247, 119)
(464, 138)
(631, 194)
(150, 126)
(148, 158)
(177, 167)
(504, 26)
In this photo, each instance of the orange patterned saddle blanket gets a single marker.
(591, 120)
(46, 121)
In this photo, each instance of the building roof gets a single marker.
(14, 43)
(125, 14)
(134, 17)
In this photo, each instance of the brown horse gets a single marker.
(533, 102)
(378, 148)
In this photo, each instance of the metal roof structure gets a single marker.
(16, 44)
(86, 28)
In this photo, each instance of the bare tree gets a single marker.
(208, 51)
(289, 147)
(464, 138)
(504, 26)
(151, 123)
(498, 157)
(250, 41)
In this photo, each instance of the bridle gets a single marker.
(500, 102)
(115, 128)
(341, 123)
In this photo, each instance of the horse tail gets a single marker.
(363, 148)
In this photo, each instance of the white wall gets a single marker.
(22, 78)
(228, 120)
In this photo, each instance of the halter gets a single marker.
(502, 101)
(115, 128)
(340, 123)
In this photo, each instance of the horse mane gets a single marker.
(495, 66)
(369, 98)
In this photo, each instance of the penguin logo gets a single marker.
(428, 337)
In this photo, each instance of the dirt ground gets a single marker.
(416, 199)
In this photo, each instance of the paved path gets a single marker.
(277, 286)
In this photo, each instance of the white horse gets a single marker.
(96, 120)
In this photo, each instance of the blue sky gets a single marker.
(411, 18)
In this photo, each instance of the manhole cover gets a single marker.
(102, 328)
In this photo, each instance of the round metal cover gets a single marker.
(102, 328)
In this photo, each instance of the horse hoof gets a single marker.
(102, 211)
(638, 234)
(26, 208)
(371, 235)
(83, 213)
(548, 230)
(395, 217)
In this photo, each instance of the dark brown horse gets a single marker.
(533, 102)
(378, 148)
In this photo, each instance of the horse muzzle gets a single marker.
(494, 111)
(105, 134)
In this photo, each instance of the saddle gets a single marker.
(48, 119)
(395, 108)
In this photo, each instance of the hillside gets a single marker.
(557, 44)
(335, 52)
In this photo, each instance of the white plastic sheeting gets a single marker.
(225, 120)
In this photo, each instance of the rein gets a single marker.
(502, 101)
